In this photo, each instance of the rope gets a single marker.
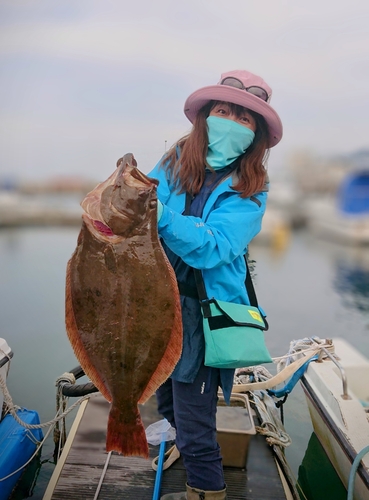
(67, 377)
(302, 345)
(283, 375)
(12, 409)
(256, 379)
(354, 467)
(60, 435)
(251, 373)
(40, 444)
(271, 425)
(62, 412)
(287, 364)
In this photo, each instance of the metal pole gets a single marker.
(102, 476)
(345, 394)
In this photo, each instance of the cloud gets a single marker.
(80, 79)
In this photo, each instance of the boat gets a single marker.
(334, 377)
(317, 477)
(343, 217)
(337, 394)
(326, 220)
(82, 465)
(18, 444)
(84, 468)
(253, 462)
(19, 210)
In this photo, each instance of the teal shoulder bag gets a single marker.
(234, 333)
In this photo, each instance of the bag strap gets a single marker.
(201, 290)
(200, 280)
(250, 286)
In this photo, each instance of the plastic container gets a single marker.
(235, 426)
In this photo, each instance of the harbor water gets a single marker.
(310, 287)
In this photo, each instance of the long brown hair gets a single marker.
(188, 170)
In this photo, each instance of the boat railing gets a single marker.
(345, 394)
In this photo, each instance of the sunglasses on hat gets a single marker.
(231, 81)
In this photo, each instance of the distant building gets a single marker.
(61, 184)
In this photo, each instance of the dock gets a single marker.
(85, 471)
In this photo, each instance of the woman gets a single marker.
(221, 165)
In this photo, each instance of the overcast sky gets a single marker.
(84, 81)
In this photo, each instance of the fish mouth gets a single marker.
(127, 174)
(135, 178)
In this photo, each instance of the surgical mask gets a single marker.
(227, 141)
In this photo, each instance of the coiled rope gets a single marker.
(256, 380)
(271, 424)
(305, 345)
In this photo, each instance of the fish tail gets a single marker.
(127, 438)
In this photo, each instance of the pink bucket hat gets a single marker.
(243, 88)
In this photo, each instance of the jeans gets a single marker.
(191, 409)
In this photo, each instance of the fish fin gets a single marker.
(174, 347)
(77, 345)
(129, 439)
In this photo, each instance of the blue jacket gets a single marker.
(217, 242)
(214, 243)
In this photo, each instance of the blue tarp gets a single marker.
(353, 196)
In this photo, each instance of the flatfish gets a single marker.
(123, 315)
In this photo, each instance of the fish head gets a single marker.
(124, 205)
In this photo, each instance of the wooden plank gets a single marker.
(132, 478)
(59, 467)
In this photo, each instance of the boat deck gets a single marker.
(79, 471)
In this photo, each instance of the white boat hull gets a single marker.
(325, 218)
(341, 425)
